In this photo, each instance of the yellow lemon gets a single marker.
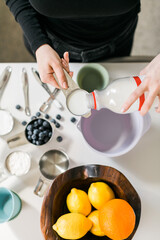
(72, 226)
(99, 193)
(96, 230)
(78, 202)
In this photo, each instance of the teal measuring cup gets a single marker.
(10, 205)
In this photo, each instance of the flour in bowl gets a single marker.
(18, 163)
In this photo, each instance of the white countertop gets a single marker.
(141, 165)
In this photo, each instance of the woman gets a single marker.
(90, 30)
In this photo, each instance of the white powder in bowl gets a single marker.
(6, 122)
(18, 163)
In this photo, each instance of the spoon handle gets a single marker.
(25, 91)
(44, 107)
(4, 79)
(37, 77)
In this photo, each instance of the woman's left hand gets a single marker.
(150, 84)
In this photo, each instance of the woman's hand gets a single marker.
(150, 84)
(49, 62)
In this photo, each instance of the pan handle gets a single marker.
(41, 187)
(17, 140)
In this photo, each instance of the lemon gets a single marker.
(99, 193)
(96, 230)
(78, 202)
(72, 226)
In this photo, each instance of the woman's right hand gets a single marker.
(49, 62)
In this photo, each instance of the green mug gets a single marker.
(10, 205)
(93, 76)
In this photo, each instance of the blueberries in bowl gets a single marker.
(38, 131)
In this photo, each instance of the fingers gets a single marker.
(65, 63)
(143, 72)
(71, 74)
(66, 57)
(158, 107)
(51, 80)
(46, 74)
(148, 102)
(61, 76)
(49, 62)
(57, 68)
(133, 97)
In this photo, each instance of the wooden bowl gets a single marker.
(54, 203)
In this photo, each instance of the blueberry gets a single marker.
(46, 139)
(29, 133)
(35, 124)
(41, 128)
(59, 139)
(40, 138)
(24, 123)
(33, 117)
(29, 127)
(35, 132)
(58, 125)
(40, 121)
(46, 124)
(53, 121)
(46, 116)
(73, 119)
(39, 142)
(58, 116)
(38, 114)
(50, 134)
(29, 137)
(18, 107)
(34, 137)
(41, 135)
(34, 141)
(46, 132)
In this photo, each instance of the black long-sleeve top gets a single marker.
(82, 23)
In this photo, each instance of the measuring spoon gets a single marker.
(53, 94)
(26, 91)
(6, 118)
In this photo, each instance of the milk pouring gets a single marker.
(77, 102)
(112, 97)
(75, 97)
